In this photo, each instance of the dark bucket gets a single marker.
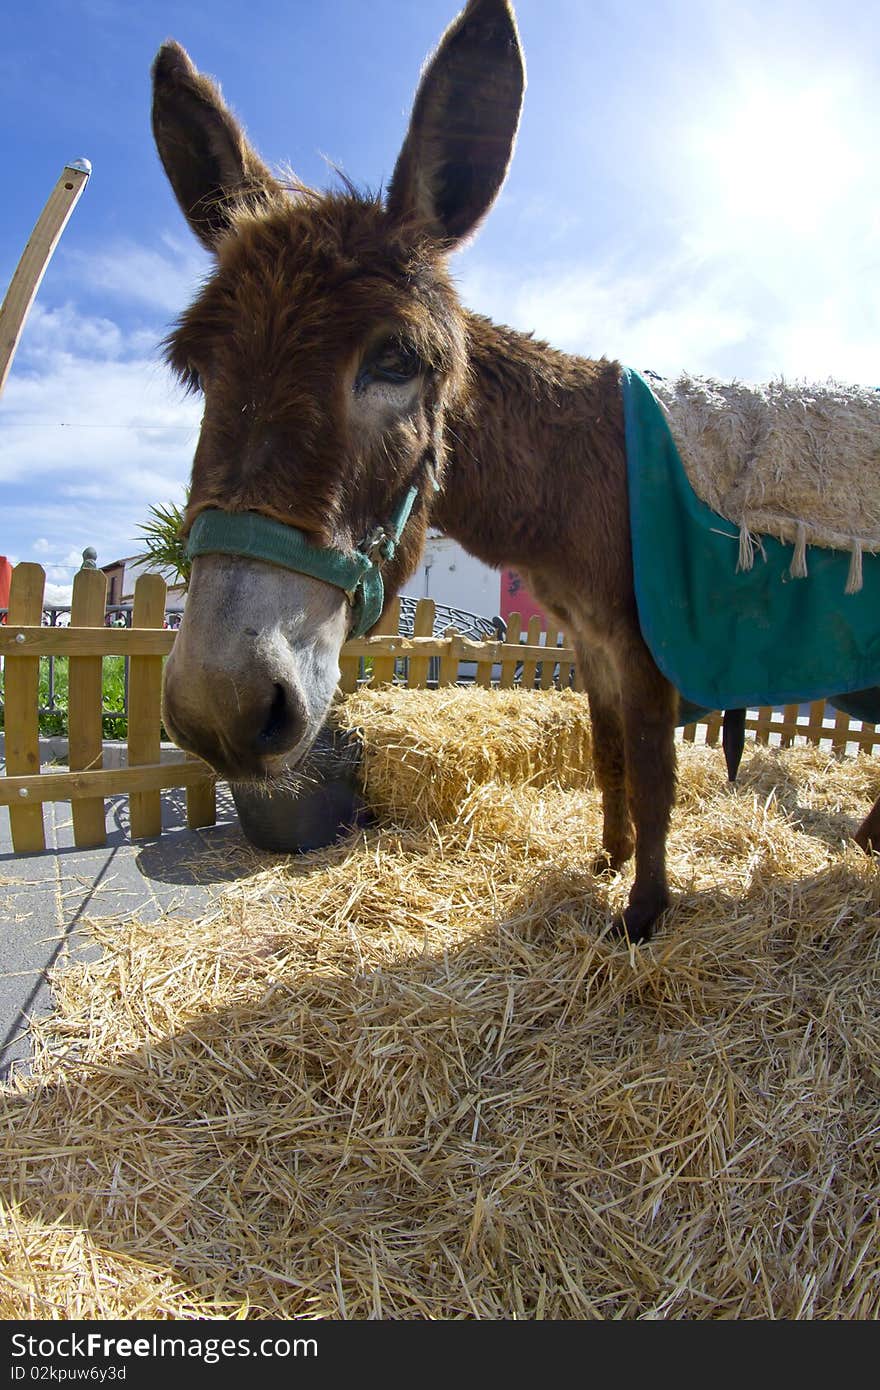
(326, 805)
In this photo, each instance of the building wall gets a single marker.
(5, 581)
(449, 575)
(122, 575)
(115, 581)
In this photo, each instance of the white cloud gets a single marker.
(92, 432)
(120, 425)
(57, 595)
(651, 319)
(163, 280)
(738, 233)
(700, 307)
(51, 332)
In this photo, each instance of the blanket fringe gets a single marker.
(799, 558)
(854, 578)
(746, 548)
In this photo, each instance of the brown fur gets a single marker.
(302, 285)
(528, 442)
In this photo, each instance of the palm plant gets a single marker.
(165, 546)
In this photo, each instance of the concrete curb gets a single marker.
(54, 748)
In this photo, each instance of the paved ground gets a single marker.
(46, 898)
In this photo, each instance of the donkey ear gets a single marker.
(463, 124)
(207, 158)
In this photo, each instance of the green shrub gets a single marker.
(54, 721)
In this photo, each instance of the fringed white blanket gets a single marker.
(799, 462)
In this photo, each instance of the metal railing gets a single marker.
(471, 625)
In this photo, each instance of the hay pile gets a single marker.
(410, 1077)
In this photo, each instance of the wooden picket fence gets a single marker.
(539, 661)
(23, 641)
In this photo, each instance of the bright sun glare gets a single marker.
(781, 158)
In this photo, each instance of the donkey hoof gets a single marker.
(603, 866)
(611, 861)
(636, 924)
(635, 935)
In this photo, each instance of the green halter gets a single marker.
(260, 538)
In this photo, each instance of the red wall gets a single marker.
(515, 598)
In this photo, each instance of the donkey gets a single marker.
(349, 399)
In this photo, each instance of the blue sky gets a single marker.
(695, 187)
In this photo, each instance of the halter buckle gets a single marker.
(380, 539)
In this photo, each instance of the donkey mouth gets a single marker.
(254, 768)
(262, 770)
(285, 772)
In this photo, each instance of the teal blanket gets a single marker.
(729, 639)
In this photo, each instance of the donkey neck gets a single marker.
(539, 427)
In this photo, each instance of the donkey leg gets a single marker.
(609, 762)
(868, 834)
(649, 713)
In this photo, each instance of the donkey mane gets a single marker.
(540, 436)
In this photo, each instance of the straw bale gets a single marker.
(412, 1077)
(423, 757)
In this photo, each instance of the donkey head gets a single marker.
(328, 344)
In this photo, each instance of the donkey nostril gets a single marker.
(279, 717)
(285, 721)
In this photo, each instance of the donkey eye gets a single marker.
(396, 362)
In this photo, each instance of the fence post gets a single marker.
(449, 661)
(548, 668)
(423, 626)
(840, 737)
(144, 706)
(201, 799)
(763, 724)
(789, 726)
(514, 635)
(387, 626)
(565, 667)
(22, 705)
(483, 674)
(533, 637)
(713, 728)
(578, 683)
(85, 701)
(815, 726)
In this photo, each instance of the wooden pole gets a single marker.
(35, 258)
(530, 667)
